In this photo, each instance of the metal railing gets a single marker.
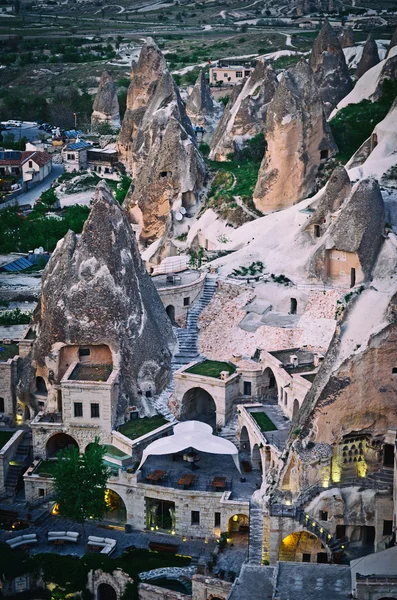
(170, 480)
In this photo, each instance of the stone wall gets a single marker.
(7, 453)
(134, 495)
(176, 296)
(207, 588)
(376, 588)
(154, 592)
(8, 380)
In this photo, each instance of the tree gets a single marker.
(119, 39)
(80, 484)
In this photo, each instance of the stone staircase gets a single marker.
(229, 431)
(22, 459)
(188, 337)
(255, 534)
(382, 479)
(187, 347)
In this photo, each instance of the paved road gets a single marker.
(32, 195)
(27, 130)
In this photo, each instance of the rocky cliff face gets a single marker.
(161, 150)
(369, 58)
(106, 104)
(329, 67)
(346, 37)
(298, 138)
(393, 42)
(95, 291)
(144, 78)
(246, 114)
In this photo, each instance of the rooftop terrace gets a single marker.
(87, 372)
(208, 467)
(182, 278)
(211, 368)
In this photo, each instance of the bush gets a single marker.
(15, 317)
(355, 123)
(204, 149)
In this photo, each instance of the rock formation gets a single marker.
(346, 37)
(159, 148)
(200, 101)
(298, 138)
(393, 42)
(202, 109)
(144, 77)
(336, 191)
(355, 233)
(95, 291)
(106, 104)
(329, 67)
(245, 115)
(369, 58)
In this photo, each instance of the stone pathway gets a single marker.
(187, 346)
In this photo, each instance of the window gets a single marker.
(387, 527)
(317, 231)
(247, 73)
(94, 411)
(30, 164)
(217, 520)
(70, 156)
(285, 397)
(225, 75)
(195, 517)
(148, 393)
(323, 515)
(78, 409)
(41, 492)
(84, 352)
(394, 371)
(306, 557)
(2, 405)
(239, 74)
(247, 388)
(107, 170)
(323, 154)
(186, 301)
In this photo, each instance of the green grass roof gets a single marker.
(211, 368)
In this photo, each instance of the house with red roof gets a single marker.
(28, 167)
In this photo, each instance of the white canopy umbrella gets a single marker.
(192, 434)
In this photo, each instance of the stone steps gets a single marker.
(229, 431)
(187, 347)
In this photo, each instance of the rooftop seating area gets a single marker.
(211, 473)
(23, 541)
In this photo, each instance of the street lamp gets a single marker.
(75, 120)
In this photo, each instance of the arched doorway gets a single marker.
(26, 413)
(106, 592)
(170, 310)
(58, 442)
(302, 546)
(256, 458)
(238, 526)
(270, 383)
(198, 405)
(41, 386)
(245, 445)
(117, 512)
(295, 408)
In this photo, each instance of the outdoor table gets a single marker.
(156, 475)
(186, 480)
(59, 542)
(219, 482)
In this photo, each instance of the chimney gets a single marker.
(293, 359)
(224, 375)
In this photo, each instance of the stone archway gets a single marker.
(199, 405)
(302, 546)
(238, 526)
(58, 442)
(117, 510)
(245, 444)
(256, 459)
(106, 592)
(41, 386)
(295, 408)
(270, 383)
(170, 310)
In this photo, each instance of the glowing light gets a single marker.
(184, 539)
(228, 540)
(362, 468)
(307, 517)
(321, 530)
(235, 518)
(152, 529)
(206, 541)
(336, 472)
(329, 536)
(55, 509)
(288, 503)
(342, 547)
(172, 532)
(313, 523)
